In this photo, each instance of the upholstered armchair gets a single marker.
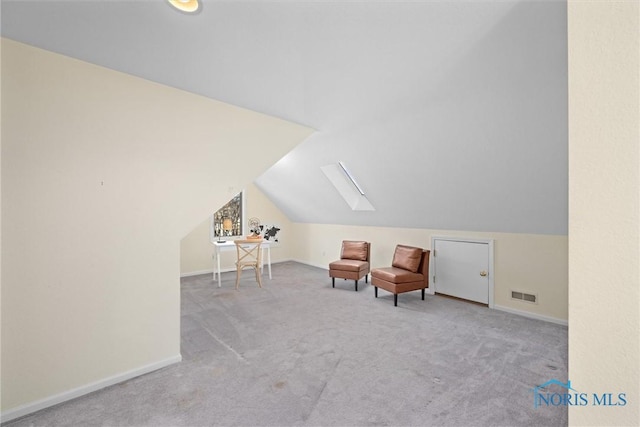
(353, 263)
(409, 271)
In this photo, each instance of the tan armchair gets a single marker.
(409, 271)
(353, 263)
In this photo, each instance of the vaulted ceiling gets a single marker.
(450, 114)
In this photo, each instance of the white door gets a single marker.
(462, 269)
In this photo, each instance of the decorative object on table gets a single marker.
(254, 228)
(270, 232)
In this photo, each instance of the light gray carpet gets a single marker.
(298, 352)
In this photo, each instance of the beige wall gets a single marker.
(604, 199)
(102, 175)
(196, 250)
(536, 263)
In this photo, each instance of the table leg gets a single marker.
(268, 249)
(219, 278)
(217, 263)
(213, 262)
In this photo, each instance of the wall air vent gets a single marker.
(347, 186)
(524, 296)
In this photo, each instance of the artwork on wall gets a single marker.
(227, 221)
(270, 232)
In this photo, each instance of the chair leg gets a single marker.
(395, 300)
(366, 278)
(333, 282)
(238, 274)
(422, 294)
(375, 291)
(356, 286)
(258, 278)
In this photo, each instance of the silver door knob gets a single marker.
(483, 273)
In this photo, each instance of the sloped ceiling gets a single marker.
(450, 114)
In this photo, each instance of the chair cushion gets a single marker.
(396, 275)
(354, 250)
(407, 257)
(349, 265)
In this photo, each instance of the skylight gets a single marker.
(345, 183)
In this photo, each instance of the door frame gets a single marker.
(432, 285)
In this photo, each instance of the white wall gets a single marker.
(447, 103)
(102, 175)
(529, 262)
(196, 249)
(604, 200)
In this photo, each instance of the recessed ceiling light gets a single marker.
(189, 6)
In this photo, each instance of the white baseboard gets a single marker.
(38, 405)
(197, 273)
(532, 315)
(228, 269)
(324, 267)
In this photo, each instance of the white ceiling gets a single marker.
(450, 114)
